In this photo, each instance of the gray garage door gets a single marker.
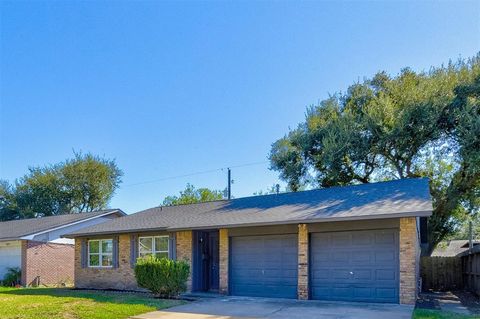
(355, 266)
(264, 266)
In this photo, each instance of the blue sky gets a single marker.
(172, 88)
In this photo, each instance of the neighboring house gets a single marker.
(353, 243)
(36, 247)
(452, 248)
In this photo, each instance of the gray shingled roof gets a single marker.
(452, 248)
(407, 197)
(16, 229)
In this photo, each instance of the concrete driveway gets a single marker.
(243, 307)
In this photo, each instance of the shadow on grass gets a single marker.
(105, 296)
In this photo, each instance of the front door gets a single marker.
(205, 261)
(214, 273)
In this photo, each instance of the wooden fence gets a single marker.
(471, 270)
(441, 273)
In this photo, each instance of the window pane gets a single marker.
(107, 260)
(161, 255)
(161, 243)
(107, 246)
(144, 254)
(94, 260)
(93, 246)
(145, 244)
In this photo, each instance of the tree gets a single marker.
(190, 195)
(409, 125)
(82, 184)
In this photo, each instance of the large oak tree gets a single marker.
(414, 124)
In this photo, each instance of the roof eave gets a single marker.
(425, 213)
(129, 231)
(30, 236)
(311, 221)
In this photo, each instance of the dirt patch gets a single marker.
(462, 302)
(469, 300)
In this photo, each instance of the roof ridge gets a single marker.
(291, 192)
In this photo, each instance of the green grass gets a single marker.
(54, 303)
(438, 314)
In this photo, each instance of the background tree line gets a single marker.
(414, 124)
(82, 184)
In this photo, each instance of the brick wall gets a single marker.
(47, 264)
(302, 262)
(408, 260)
(122, 277)
(184, 251)
(224, 255)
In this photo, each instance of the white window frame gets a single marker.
(100, 253)
(154, 249)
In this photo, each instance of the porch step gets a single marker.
(200, 294)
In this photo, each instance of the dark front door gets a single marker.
(213, 248)
(205, 261)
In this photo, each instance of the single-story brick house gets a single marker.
(353, 243)
(36, 247)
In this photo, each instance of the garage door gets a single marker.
(264, 266)
(355, 266)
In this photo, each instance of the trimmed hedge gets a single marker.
(164, 277)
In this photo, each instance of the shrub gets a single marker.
(12, 277)
(163, 277)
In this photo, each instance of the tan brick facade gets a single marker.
(408, 260)
(224, 257)
(184, 251)
(303, 262)
(122, 277)
(47, 264)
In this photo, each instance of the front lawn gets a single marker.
(53, 303)
(438, 314)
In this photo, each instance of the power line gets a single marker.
(193, 174)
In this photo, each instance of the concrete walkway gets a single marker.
(243, 307)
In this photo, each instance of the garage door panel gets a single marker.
(355, 266)
(362, 239)
(264, 266)
(385, 238)
(385, 256)
(362, 257)
(385, 274)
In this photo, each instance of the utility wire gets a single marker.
(193, 174)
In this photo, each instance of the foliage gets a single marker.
(12, 277)
(82, 184)
(191, 195)
(439, 314)
(162, 276)
(54, 303)
(463, 231)
(423, 124)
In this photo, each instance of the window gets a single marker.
(155, 245)
(100, 253)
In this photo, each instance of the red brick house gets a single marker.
(353, 243)
(36, 247)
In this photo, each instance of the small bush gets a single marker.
(12, 278)
(164, 277)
